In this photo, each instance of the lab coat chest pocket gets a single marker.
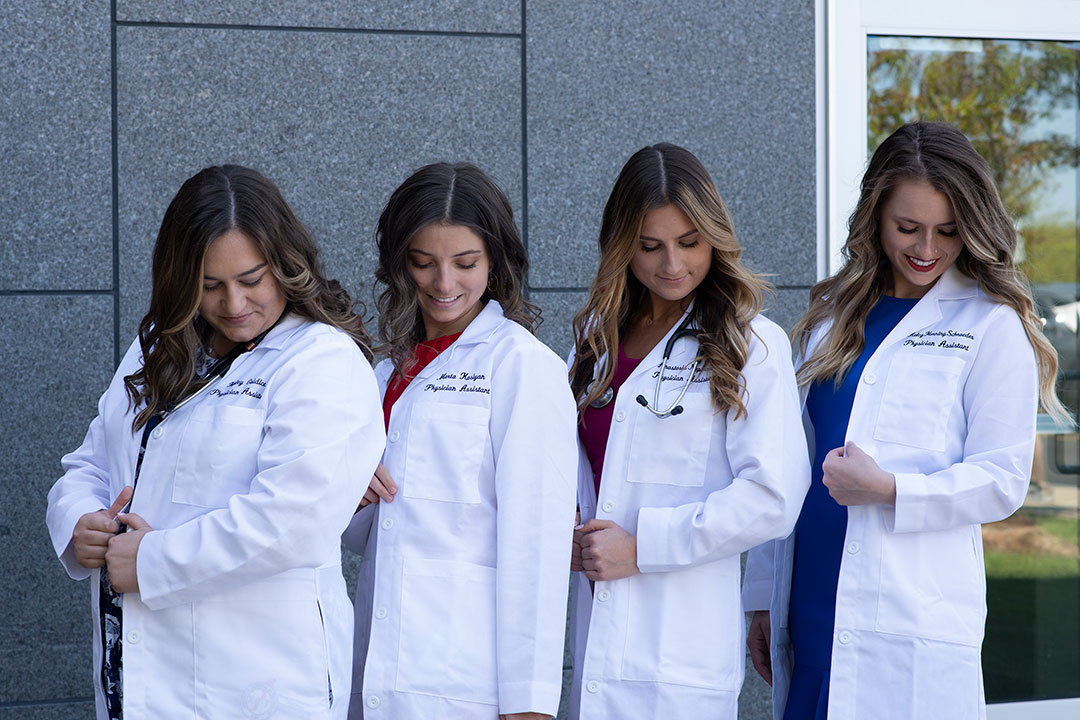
(919, 395)
(673, 450)
(446, 446)
(218, 454)
(448, 630)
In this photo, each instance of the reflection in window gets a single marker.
(1017, 102)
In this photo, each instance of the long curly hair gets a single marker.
(209, 204)
(726, 301)
(450, 194)
(939, 154)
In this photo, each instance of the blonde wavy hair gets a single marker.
(939, 154)
(725, 302)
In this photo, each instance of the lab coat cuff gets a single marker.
(152, 590)
(756, 595)
(909, 514)
(529, 696)
(62, 541)
(652, 540)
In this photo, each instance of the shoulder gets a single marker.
(767, 339)
(513, 345)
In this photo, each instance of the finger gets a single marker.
(384, 477)
(380, 489)
(121, 501)
(853, 449)
(368, 498)
(133, 521)
(596, 524)
(94, 538)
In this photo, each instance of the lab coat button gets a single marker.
(869, 378)
(620, 416)
(844, 637)
(394, 436)
(853, 547)
(387, 523)
(133, 637)
(593, 686)
(158, 432)
(380, 614)
(608, 506)
(373, 701)
(603, 595)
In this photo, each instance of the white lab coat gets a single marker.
(242, 609)
(947, 403)
(461, 599)
(696, 489)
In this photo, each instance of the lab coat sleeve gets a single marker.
(766, 450)
(534, 443)
(322, 438)
(757, 585)
(1000, 399)
(84, 486)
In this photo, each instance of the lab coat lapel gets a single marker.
(953, 284)
(479, 330)
(652, 361)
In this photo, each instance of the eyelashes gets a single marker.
(912, 231)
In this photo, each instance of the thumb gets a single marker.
(596, 524)
(134, 522)
(121, 501)
(853, 450)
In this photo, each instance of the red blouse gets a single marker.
(424, 353)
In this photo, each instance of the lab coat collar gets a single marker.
(279, 335)
(484, 325)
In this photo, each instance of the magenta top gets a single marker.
(596, 422)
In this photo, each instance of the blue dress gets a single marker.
(819, 533)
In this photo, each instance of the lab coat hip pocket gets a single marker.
(933, 586)
(919, 395)
(685, 628)
(447, 643)
(673, 450)
(446, 446)
(260, 651)
(218, 454)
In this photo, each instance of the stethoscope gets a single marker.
(682, 331)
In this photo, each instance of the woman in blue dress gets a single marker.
(923, 363)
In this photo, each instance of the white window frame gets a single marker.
(842, 28)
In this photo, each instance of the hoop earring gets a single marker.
(493, 283)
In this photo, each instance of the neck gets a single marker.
(659, 311)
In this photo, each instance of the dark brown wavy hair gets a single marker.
(725, 302)
(939, 154)
(209, 204)
(450, 194)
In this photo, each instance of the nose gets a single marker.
(444, 281)
(233, 300)
(925, 243)
(671, 261)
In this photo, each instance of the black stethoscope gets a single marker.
(682, 331)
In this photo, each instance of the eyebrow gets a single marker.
(460, 254)
(684, 235)
(916, 222)
(257, 268)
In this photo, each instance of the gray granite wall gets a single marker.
(106, 106)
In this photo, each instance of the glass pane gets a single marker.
(1017, 101)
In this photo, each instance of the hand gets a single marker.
(757, 641)
(525, 716)
(607, 551)
(382, 487)
(575, 549)
(853, 478)
(123, 551)
(94, 530)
